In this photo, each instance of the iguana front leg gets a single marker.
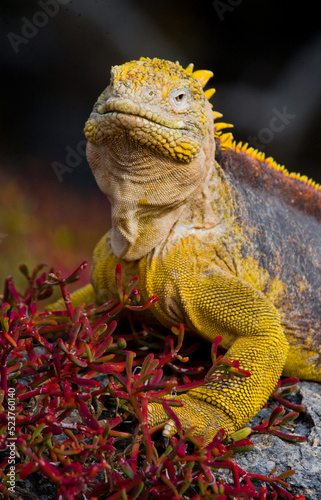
(84, 295)
(221, 304)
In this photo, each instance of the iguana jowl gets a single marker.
(229, 240)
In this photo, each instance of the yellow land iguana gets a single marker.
(229, 240)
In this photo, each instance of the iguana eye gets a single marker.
(178, 98)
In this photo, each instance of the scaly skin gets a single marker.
(227, 239)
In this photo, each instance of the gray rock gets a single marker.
(305, 458)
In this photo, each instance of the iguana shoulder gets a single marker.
(229, 240)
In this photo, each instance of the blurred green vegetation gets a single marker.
(48, 223)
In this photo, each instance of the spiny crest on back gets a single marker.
(227, 140)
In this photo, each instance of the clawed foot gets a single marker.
(204, 418)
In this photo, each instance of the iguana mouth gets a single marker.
(164, 135)
(128, 107)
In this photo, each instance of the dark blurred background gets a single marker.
(55, 61)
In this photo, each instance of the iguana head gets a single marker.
(154, 103)
(150, 147)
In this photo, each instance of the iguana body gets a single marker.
(229, 241)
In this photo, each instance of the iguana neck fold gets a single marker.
(147, 191)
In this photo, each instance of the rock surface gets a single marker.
(305, 458)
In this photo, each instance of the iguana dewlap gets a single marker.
(229, 240)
